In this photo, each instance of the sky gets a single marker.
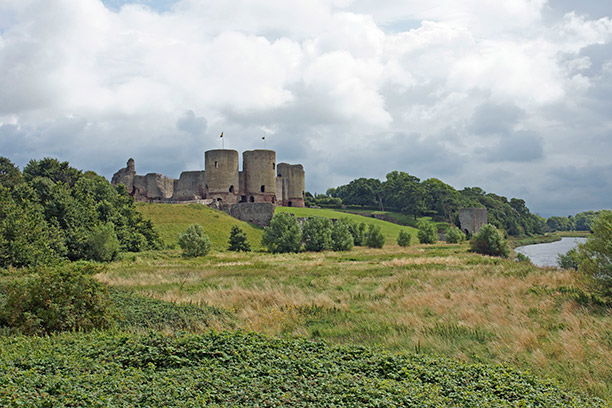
(514, 96)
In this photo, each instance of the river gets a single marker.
(546, 254)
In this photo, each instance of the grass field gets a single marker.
(389, 230)
(437, 299)
(170, 220)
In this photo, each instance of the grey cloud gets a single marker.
(491, 118)
(516, 147)
(190, 123)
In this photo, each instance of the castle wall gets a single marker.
(294, 175)
(190, 186)
(472, 219)
(255, 213)
(259, 167)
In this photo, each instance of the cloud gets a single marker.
(497, 94)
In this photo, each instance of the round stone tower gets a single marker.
(294, 174)
(259, 168)
(221, 175)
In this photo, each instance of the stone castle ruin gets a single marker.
(472, 220)
(221, 183)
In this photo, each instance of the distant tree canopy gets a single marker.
(53, 211)
(408, 194)
(580, 222)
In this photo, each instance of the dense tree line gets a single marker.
(580, 222)
(52, 211)
(408, 194)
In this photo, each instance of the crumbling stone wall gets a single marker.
(472, 219)
(255, 213)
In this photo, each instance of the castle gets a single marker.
(221, 183)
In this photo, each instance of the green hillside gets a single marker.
(172, 219)
(389, 230)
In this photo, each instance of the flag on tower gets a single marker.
(221, 135)
(263, 138)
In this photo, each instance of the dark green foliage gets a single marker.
(569, 260)
(489, 241)
(139, 312)
(248, 370)
(56, 299)
(404, 238)
(317, 234)
(26, 238)
(427, 232)
(238, 240)
(522, 258)
(10, 176)
(194, 242)
(374, 237)
(454, 235)
(342, 239)
(358, 232)
(596, 255)
(53, 214)
(102, 244)
(283, 234)
(407, 194)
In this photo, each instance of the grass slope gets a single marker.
(107, 369)
(170, 220)
(436, 299)
(389, 230)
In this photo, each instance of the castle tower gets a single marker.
(259, 168)
(221, 174)
(293, 191)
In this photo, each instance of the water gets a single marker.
(546, 254)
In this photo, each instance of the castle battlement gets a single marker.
(221, 182)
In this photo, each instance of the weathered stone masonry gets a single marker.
(221, 183)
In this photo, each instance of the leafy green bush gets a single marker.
(194, 241)
(238, 240)
(358, 232)
(427, 232)
(374, 237)
(342, 239)
(596, 254)
(56, 299)
(317, 234)
(283, 234)
(102, 244)
(569, 260)
(234, 369)
(489, 241)
(404, 238)
(454, 235)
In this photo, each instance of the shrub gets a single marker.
(238, 240)
(569, 260)
(283, 234)
(596, 254)
(454, 235)
(522, 258)
(102, 245)
(403, 238)
(427, 232)
(358, 232)
(489, 241)
(194, 241)
(317, 234)
(374, 237)
(342, 239)
(56, 299)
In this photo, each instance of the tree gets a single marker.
(427, 232)
(194, 242)
(317, 234)
(374, 237)
(361, 191)
(58, 172)
(358, 232)
(443, 199)
(10, 175)
(283, 234)
(238, 240)
(454, 235)
(489, 241)
(596, 254)
(342, 239)
(102, 244)
(403, 238)
(404, 192)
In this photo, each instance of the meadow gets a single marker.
(428, 299)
